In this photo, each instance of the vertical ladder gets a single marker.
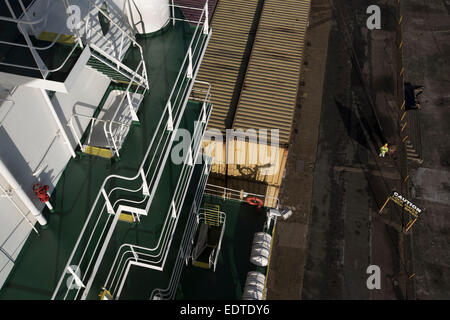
(212, 214)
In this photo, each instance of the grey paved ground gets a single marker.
(426, 34)
(346, 234)
(290, 242)
(339, 232)
(323, 250)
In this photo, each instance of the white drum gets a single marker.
(254, 286)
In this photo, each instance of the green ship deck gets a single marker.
(43, 258)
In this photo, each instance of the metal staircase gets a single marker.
(121, 74)
(211, 223)
(108, 48)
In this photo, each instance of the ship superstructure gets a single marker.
(103, 177)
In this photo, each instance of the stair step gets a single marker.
(127, 217)
(200, 264)
(96, 151)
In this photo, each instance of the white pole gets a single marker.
(206, 23)
(49, 206)
(18, 209)
(173, 14)
(58, 122)
(4, 171)
(189, 68)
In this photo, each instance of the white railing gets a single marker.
(238, 195)
(21, 24)
(105, 47)
(93, 37)
(222, 222)
(115, 129)
(187, 240)
(155, 257)
(97, 233)
(114, 138)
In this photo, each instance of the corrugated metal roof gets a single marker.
(231, 24)
(192, 14)
(269, 94)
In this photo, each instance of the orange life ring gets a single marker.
(254, 201)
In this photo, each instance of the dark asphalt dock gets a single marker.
(347, 106)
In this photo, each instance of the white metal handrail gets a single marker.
(187, 241)
(19, 21)
(222, 222)
(117, 137)
(111, 145)
(155, 257)
(40, 65)
(239, 195)
(195, 57)
(124, 34)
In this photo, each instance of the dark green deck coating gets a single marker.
(233, 264)
(43, 257)
(41, 262)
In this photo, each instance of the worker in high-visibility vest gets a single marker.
(383, 150)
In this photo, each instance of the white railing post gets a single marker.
(174, 210)
(189, 69)
(72, 128)
(55, 116)
(206, 23)
(109, 207)
(134, 253)
(145, 190)
(173, 13)
(204, 112)
(133, 113)
(90, 131)
(189, 159)
(75, 277)
(170, 120)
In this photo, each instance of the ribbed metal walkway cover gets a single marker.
(192, 14)
(231, 25)
(268, 97)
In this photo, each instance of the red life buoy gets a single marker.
(255, 201)
(41, 192)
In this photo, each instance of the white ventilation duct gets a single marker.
(147, 16)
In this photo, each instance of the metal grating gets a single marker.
(269, 94)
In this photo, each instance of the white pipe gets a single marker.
(19, 210)
(22, 195)
(58, 122)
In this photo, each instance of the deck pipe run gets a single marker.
(4, 171)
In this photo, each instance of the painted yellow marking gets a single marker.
(404, 126)
(50, 36)
(200, 264)
(126, 217)
(404, 114)
(105, 295)
(100, 152)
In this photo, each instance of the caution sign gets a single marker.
(408, 205)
